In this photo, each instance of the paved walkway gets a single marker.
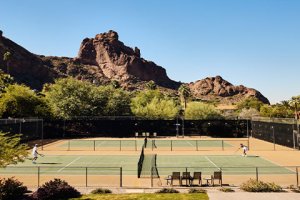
(252, 196)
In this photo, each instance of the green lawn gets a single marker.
(144, 197)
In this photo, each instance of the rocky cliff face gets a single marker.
(119, 62)
(216, 87)
(24, 66)
(103, 59)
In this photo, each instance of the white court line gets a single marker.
(69, 164)
(190, 143)
(211, 162)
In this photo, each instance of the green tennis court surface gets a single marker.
(166, 164)
(228, 164)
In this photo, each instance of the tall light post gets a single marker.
(272, 127)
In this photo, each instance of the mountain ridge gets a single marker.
(105, 58)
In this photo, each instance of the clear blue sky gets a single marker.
(251, 42)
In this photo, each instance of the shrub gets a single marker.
(259, 186)
(167, 190)
(12, 189)
(294, 188)
(101, 191)
(194, 190)
(222, 189)
(56, 189)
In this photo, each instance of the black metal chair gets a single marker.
(176, 176)
(217, 176)
(186, 176)
(197, 176)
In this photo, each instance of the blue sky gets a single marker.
(251, 42)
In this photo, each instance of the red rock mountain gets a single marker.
(105, 58)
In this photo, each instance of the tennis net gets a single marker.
(140, 163)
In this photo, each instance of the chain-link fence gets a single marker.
(282, 131)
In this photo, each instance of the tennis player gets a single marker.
(34, 154)
(245, 149)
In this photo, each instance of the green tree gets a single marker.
(118, 101)
(21, 101)
(5, 80)
(277, 110)
(250, 102)
(151, 85)
(7, 58)
(70, 97)
(12, 151)
(294, 103)
(152, 104)
(184, 93)
(199, 110)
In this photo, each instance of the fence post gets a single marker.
(121, 177)
(86, 177)
(197, 145)
(171, 145)
(297, 178)
(94, 145)
(151, 176)
(186, 177)
(256, 169)
(38, 177)
(135, 145)
(222, 145)
(42, 134)
(120, 145)
(248, 144)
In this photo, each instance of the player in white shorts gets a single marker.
(245, 149)
(34, 154)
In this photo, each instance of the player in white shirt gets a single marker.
(245, 149)
(34, 154)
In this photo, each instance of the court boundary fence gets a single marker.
(120, 176)
(86, 169)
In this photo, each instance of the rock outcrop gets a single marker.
(216, 87)
(120, 62)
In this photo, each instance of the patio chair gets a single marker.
(217, 176)
(186, 176)
(175, 176)
(197, 176)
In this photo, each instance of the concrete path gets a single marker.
(252, 196)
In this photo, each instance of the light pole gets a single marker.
(272, 127)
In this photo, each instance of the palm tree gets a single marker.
(7, 58)
(294, 104)
(151, 85)
(184, 93)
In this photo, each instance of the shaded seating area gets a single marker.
(196, 179)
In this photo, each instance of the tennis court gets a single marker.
(153, 144)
